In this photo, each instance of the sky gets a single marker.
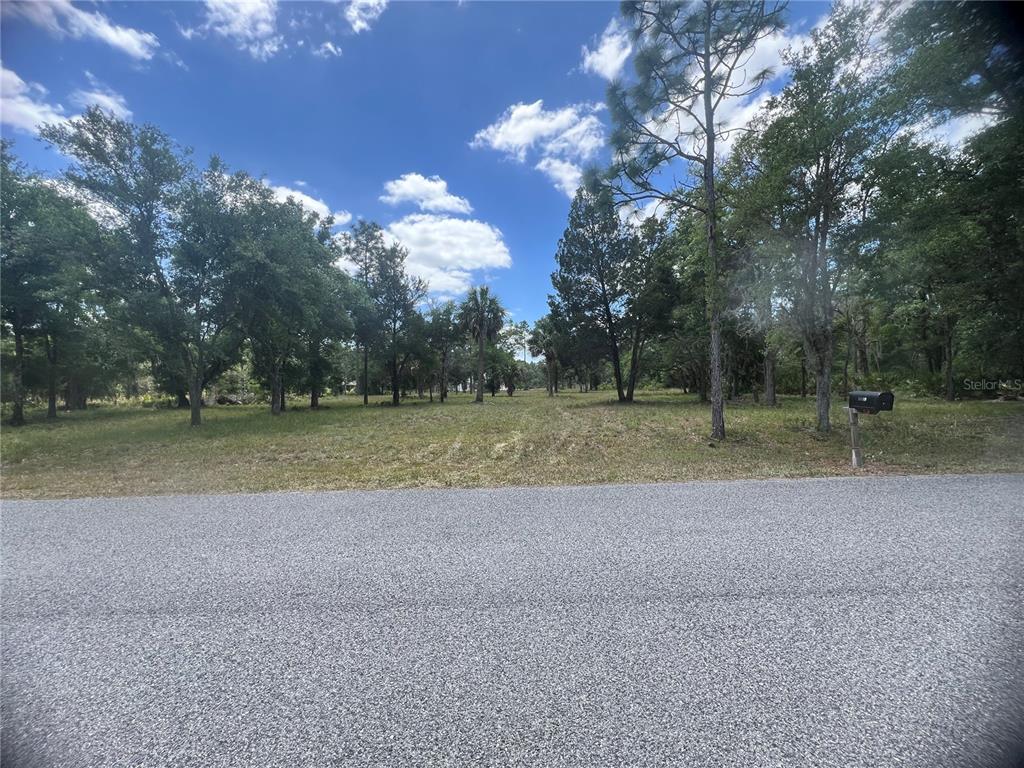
(462, 128)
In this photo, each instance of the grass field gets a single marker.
(528, 439)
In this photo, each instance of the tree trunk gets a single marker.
(717, 402)
(823, 396)
(443, 384)
(711, 212)
(195, 394)
(614, 344)
(51, 378)
(18, 374)
(862, 347)
(769, 376)
(480, 364)
(948, 359)
(634, 363)
(803, 377)
(820, 347)
(314, 398)
(396, 388)
(849, 348)
(366, 374)
(182, 396)
(276, 391)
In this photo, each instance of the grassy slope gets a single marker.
(525, 440)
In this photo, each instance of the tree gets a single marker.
(519, 335)
(690, 58)
(328, 322)
(396, 295)
(480, 317)
(652, 290)
(207, 226)
(592, 255)
(47, 240)
(544, 342)
(283, 286)
(442, 334)
(812, 158)
(364, 249)
(958, 58)
(134, 175)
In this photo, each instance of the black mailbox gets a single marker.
(871, 402)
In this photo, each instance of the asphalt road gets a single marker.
(845, 622)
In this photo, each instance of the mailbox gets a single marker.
(871, 402)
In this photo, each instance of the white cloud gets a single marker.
(310, 203)
(60, 18)
(362, 13)
(445, 251)
(102, 212)
(327, 50)
(957, 130)
(734, 114)
(24, 107)
(102, 96)
(250, 24)
(610, 53)
(563, 138)
(525, 126)
(565, 175)
(430, 194)
(636, 214)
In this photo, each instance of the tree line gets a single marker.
(828, 243)
(835, 241)
(136, 265)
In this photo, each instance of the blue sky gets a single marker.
(460, 127)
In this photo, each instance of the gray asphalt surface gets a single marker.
(845, 622)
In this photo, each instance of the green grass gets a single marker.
(528, 439)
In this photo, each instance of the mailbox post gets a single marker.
(864, 402)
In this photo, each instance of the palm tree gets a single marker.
(481, 316)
